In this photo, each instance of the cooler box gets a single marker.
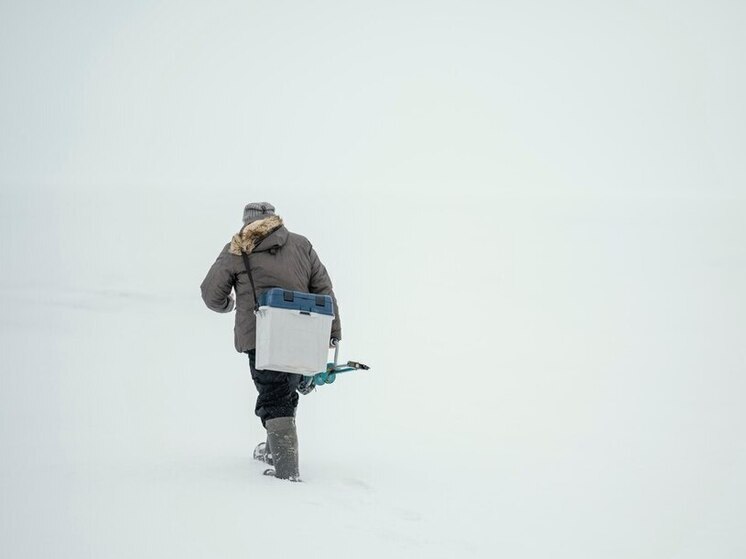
(292, 331)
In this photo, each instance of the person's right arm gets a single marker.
(321, 283)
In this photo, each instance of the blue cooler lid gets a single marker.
(297, 300)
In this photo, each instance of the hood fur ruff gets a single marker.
(252, 234)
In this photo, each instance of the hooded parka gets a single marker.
(278, 258)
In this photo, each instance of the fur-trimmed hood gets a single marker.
(250, 235)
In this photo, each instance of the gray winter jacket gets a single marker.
(280, 259)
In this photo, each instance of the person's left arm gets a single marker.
(218, 283)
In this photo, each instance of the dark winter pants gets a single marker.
(277, 395)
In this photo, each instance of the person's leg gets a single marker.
(283, 443)
(277, 392)
(275, 406)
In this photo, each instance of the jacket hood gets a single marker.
(252, 235)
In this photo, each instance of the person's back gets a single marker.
(278, 258)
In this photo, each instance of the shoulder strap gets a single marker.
(251, 279)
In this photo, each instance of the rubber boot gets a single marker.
(283, 444)
(262, 453)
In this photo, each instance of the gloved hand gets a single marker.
(333, 343)
(306, 385)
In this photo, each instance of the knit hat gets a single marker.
(257, 210)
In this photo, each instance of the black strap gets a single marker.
(245, 257)
(251, 279)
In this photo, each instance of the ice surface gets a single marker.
(591, 401)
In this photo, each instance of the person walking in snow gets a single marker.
(282, 259)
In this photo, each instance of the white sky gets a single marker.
(476, 96)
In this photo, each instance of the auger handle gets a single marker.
(335, 345)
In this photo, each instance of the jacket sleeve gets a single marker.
(321, 283)
(218, 284)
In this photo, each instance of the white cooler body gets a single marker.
(292, 340)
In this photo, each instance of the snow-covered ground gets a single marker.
(559, 379)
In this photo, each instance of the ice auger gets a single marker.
(332, 369)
